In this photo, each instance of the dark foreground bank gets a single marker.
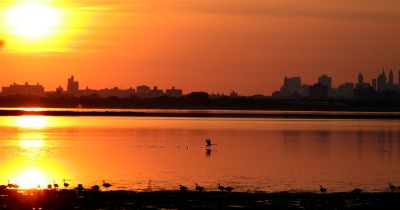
(69, 199)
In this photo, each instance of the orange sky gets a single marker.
(211, 45)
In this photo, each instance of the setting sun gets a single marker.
(33, 20)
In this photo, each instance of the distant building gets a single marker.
(374, 87)
(72, 86)
(173, 92)
(26, 89)
(116, 92)
(233, 94)
(318, 92)
(143, 91)
(325, 80)
(290, 88)
(382, 81)
(156, 93)
(345, 91)
(390, 82)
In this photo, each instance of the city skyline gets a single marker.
(250, 45)
(292, 85)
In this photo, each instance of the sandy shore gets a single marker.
(70, 199)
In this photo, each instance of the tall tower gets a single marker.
(390, 82)
(360, 81)
(382, 81)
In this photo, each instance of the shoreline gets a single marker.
(69, 199)
(213, 114)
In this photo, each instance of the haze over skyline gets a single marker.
(215, 46)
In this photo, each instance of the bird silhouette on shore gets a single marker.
(199, 188)
(55, 184)
(65, 184)
(80, 188)
(392, 187)
(49, 186)
(229, 189)
(96, 188)
(182, 188)
(106, 185)
(220, 187)
(357, 190)
(322, 190)
(9, 185)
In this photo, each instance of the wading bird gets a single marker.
(182, 188)
(96, 187)
(229, 189)
(357, 190)
(65, 184)
(392, 187)
(49, 187)
(208, 143)
(322, 190)
(220, 187)
(55, 184)
(9, 185)
(106, 185)
(80, 188)
(199, 188)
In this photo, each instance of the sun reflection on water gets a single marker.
(31, 178)
(32, 122)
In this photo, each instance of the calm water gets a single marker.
(161, 153)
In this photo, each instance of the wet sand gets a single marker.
(70, 199)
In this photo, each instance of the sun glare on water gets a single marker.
(33, 20)
(33, 122)
(30, 179)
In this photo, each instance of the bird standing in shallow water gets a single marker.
(106, 185)
(322, 190)
(199, 188)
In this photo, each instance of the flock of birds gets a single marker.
(55, 186)
(201, 189)
(392, 188)
(182, 188)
